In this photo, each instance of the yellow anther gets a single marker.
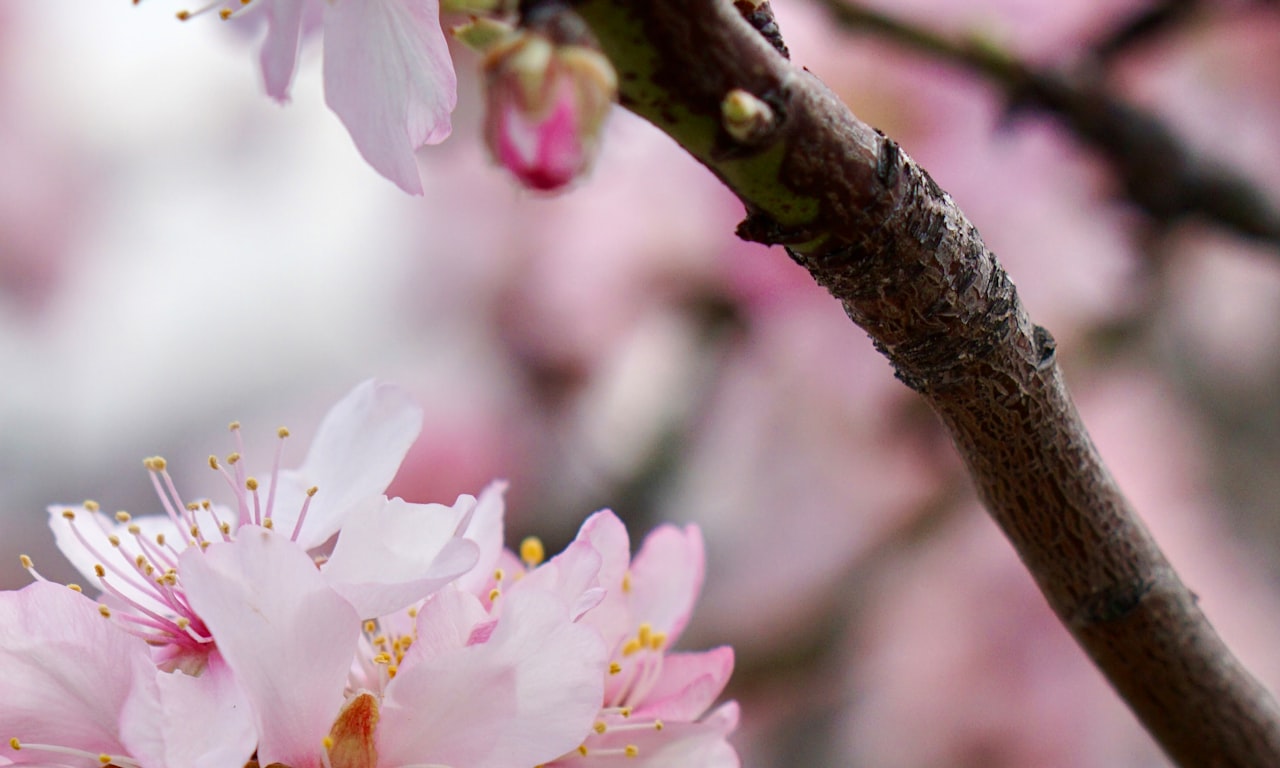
(413, 612)
(251, 483)
(133, 529)
(614, 667)
(14, 743)
(659, 639)
(233, 426)
(371, 626)
(392, 670)
(225, 527)
(26, 561)
(104, 610)
(68, 514)
(183, 622)
(657, 725)
(206, 504)
(91, 505)
(75, 588)
(113, 540)
(312, 490)
(224, 14)
(123, 517)
(160, 539)
(494, 594)
(582, 749)
(630, 647)
(382, 658)
(625, 711)
(282, 432)
(327, 741)
(232, 458)
(183, 15)
(626, 581)
(268, 523)
(645, 633)
(192, 506)
(203, 545)
(631, 750)
(599, 727)
(99, 570)
(213, 461)
(499, 574)
(194, 530)
(531, 551)
(158, 464)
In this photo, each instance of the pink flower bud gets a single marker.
(546, 108)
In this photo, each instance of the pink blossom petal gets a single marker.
(279, 55)
(690, 683)
(286, 635)
(391, 554)
(356, 452)
(571, 576)
(389, 77)
(207, 720)
(666, 577)
(527, 695)
(486, 530)
(65, 672)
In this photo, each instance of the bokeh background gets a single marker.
(177, 251)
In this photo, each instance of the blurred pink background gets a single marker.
(177, 251)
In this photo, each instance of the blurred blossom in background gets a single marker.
(176, 251)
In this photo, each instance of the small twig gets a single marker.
(1159, 172)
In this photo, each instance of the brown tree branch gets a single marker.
(873, 228)
(1160, 173)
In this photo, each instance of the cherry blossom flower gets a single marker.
(392, 553)
(439, 684)
(654, 709)
(80, 691)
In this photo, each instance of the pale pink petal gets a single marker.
(207, 720)
(279, 55)
(389, 77)
(65, 672)
(356, 452)
(571, 576)
(486, 530)
(666, 577)
(285, 634)
(527, 695)
(392, 554)
(690, 683)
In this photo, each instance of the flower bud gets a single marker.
(546, 105)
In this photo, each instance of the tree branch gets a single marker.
(1159, 172)
(873, 228)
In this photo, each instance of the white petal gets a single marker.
(65, 671)
(286, 635)
(391, 554)
(355, 454)
(389, 77)
(527, 695)
(207, 720)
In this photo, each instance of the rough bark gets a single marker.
(873, 228)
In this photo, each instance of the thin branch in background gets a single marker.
(872, 227)
(1158, 171)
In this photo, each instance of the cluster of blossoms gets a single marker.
(389, 77)
(316, 622)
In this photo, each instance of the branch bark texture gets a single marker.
(874, 229)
